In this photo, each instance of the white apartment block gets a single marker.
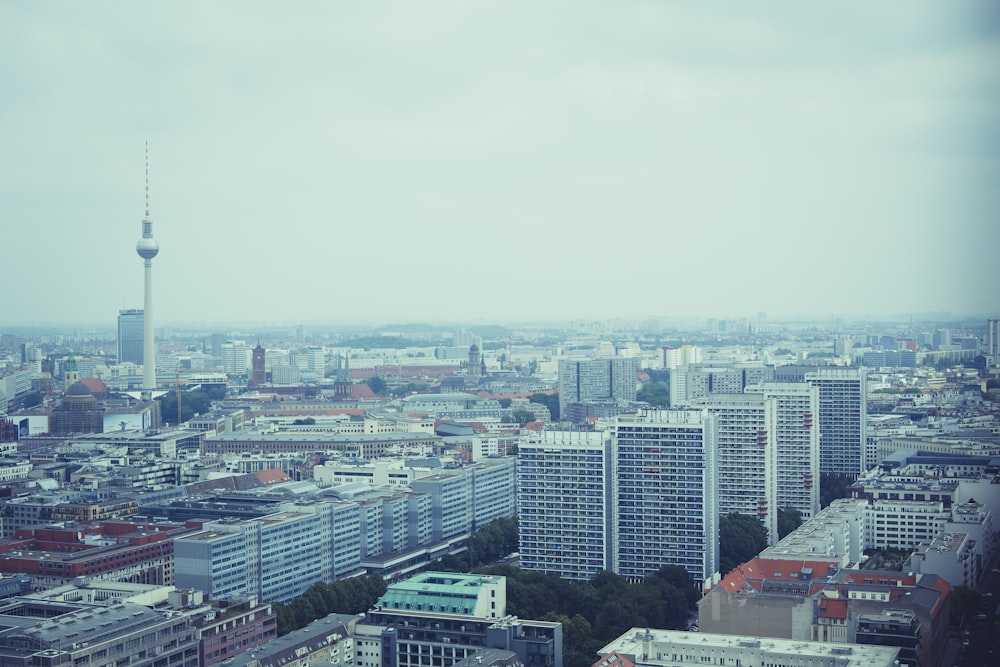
(898, 524)
(566, 503)
(843, 417)
(667, 492)
(796, 438)
(746, 456)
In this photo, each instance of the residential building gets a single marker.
(566, 498)
(746, 456)
(843, 418)
(796, 439)
(584, 380)
(234, 357)
(667, 474)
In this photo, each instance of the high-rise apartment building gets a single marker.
(130, 332)
(747, 456)
(595, 379)
(795, 437)
(566, 504)
(993, 341)
(697, 381)
(667, 492)
(843, 416)
(234, 357)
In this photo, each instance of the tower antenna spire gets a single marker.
(147, 178)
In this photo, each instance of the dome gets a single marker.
(474, 348)
(78, 389)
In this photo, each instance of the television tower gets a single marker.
(147, 247)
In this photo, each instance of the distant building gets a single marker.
(843, 418)
(130, 330)
(258, 374)
(79, 412)
(596, 379)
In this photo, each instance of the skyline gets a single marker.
(398, 162)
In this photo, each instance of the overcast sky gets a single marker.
(499, 161)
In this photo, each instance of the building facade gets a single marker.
(130, 328)
(667, 501)
(585, 380)
(566, 504)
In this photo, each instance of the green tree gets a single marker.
(505, 403)
(551, 401)
(788, 520)
(964, 602)
(522, 417)
(833, 486)
(741, 538)
(656, 394)
(307, 421)
(377, 384)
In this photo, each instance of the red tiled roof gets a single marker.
(361, 392)
(272, 476)
(95, 385)
(832, 608)
(613, 659)
(535, 426)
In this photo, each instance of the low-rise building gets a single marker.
(670, 648)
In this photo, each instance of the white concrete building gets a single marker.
(672, 648)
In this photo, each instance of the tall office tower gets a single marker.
(566, 504)
(148, 248)
(594, 379)
(234, 357)
(746, 458)
(131, 329)
(843, 417)
(667, 492)
(795, 438)
(258, 374)
(993, 342)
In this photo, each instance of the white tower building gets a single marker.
(567, 503)
(668, 491)
(147, 247)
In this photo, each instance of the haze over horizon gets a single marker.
(451, 161)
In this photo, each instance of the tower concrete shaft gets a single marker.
(148, 248)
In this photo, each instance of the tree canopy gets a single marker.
(741, 538)
(551, 401)
(354, 595)
(656, 394)
(377, 384)
(788, 520)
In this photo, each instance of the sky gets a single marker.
(448, 160)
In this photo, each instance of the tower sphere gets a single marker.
(147, 248)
